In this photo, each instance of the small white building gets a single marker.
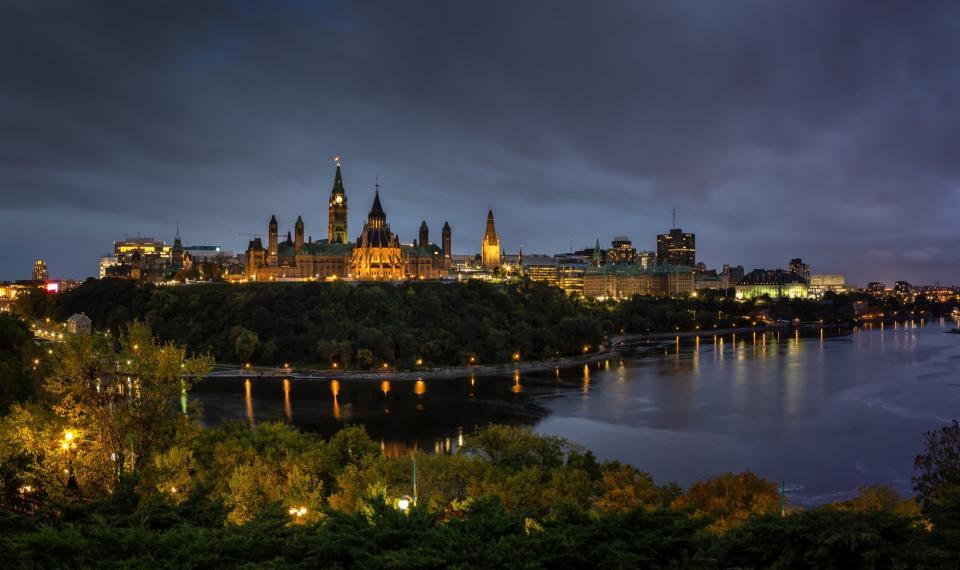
(79, 323)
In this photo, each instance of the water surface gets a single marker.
(823, 414)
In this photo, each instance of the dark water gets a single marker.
(825, 415)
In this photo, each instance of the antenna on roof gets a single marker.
(674, 218)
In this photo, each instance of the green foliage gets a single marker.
(19, 376)
(831, 538)
(938, 466)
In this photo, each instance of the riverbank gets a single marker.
(477, 371)
(628, 341)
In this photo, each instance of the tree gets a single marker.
(939, 464)
(874, 498)
(730, 499)
(244, 341)
(123, 403)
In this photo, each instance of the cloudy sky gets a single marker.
(820, 129)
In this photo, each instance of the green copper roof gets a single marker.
(324, 248)
(627, 269)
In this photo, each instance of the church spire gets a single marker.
(337, 209)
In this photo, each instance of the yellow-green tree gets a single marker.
(123, 401)
(730, 499)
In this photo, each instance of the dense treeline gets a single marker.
(19, 364)
(366, 325)
(129, 478)
(356, 325)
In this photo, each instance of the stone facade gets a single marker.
(377, 254)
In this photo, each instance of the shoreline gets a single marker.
(617, 347)
(478, 371)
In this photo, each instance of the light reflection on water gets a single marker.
(823, 413)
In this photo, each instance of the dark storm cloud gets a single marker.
(822, 129)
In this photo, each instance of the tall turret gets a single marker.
(298, 234)
(337, 220)
(445, 242)
(597, 258)
(490, 247)
(377, 218)
(272, 236)
(424, 234)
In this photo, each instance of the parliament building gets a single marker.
(377, 253)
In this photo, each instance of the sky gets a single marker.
(817, 129)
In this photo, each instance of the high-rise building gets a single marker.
(40, 271)
(646, 259)
(541, 268)
(621, 251)
(902, 289)
(677, 248)
(570, 272)
(800, 269)
(877, 289)
(490, 247)
(337, 210)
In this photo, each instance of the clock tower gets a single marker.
(337, 224)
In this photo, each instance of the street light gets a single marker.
(298, 513)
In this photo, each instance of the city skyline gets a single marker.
(771, 142)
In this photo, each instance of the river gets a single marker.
(824, 414)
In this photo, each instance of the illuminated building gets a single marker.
(677, 248)
(647, 259)
(40, 271)
(137, 258)
(623, 281)
(902, 289)
(376, 254)
(821, 284)
(337, 211)
(621, 251)
(540, 268)
(877, 289)
(79, 323)
(490, 249)
(800, 269)
(776, 284)
(571, 270)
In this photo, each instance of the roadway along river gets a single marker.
(825, 415)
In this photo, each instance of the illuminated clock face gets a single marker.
(338, 200)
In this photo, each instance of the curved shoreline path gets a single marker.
(476, 371)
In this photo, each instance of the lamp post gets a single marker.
(68, 444)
